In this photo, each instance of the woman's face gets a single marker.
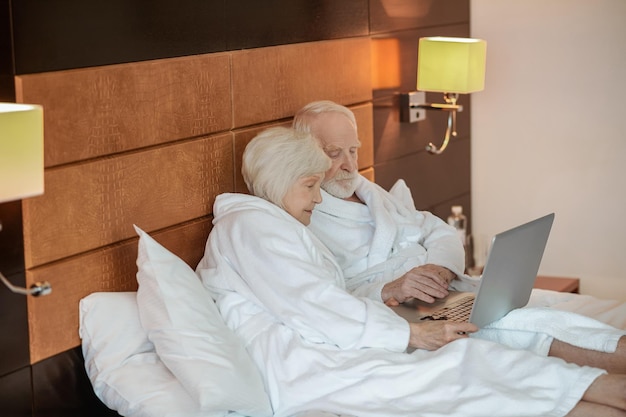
(302, 197)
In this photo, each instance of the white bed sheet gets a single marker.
(612, 312)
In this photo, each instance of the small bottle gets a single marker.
(458, 220)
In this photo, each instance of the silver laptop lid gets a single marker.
(511, 270)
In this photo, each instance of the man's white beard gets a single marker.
(342, 186)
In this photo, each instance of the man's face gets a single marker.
(339, 140)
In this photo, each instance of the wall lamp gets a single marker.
(21, 166)
(451, 66)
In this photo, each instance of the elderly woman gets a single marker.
(319, 347)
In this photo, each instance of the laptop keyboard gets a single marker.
(458, 311)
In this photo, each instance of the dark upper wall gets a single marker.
(63, 34)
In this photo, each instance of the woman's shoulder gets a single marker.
(247, 211)
(228, 203)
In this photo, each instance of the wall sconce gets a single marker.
(451, 66)
(21, 165)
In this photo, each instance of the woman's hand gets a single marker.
(431, 335)
(426, 283)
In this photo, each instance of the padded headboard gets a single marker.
(152, 143)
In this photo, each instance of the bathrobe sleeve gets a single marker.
(441, 241)
(439, 244)
(286, 271)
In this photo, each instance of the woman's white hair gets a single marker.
(276, 158)
(306, 116)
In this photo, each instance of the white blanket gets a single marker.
(319, 348)
(536, 327)
(612, 312)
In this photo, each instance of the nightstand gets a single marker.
(561, 284)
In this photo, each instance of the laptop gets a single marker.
(506, 283)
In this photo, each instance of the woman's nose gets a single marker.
(317, 198)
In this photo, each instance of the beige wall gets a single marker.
(548, 132)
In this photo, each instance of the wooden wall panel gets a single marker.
(87, 206)
(53, 319)
(160, 173)
(242, 138)
(7, 88)
(273, 83)
(364, 121)
(426, 169)
(13, 307)
(396, 140)
(397, 15)
(368, 173)
(255, 24)
(16, 396)
(105, 110)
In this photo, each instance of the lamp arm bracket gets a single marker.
(413, 102)
(450, 131)
(438, 106)
(37, 289)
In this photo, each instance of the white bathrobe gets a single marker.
(320, 348)
(380, 241)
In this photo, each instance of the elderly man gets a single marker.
(387, 249)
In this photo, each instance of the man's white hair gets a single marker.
(306, 116)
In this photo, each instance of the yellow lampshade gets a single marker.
(21, 151)
(451, 65)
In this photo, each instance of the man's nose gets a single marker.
(348, 163)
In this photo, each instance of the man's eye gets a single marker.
(334, 154)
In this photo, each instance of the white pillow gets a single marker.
(190, 336)
(110, 331)
(122, 365)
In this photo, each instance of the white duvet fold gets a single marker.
(534, 328)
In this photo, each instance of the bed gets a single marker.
(191, 365)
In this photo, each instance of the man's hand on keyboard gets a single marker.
(426, 283)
